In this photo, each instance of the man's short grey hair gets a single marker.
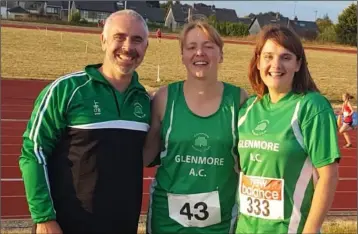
(128, 12)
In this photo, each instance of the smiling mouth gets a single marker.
(125, 58)
(276, 74)
(200, 63)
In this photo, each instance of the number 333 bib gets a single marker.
(195, 210)
(261, 197)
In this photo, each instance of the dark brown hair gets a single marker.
(283, 36)
(348, 96)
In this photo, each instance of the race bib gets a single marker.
(195, 210)
(261, 197)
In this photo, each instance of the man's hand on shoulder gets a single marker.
(50, 227)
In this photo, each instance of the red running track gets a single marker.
(17, 97)
(63, 28)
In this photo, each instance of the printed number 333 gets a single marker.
(255, 206)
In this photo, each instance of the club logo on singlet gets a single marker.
(201, 142)
(261, 128)
(96, 108)
(138, 110)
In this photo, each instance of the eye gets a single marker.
(267, 57)
(119, 38)
(137, 40)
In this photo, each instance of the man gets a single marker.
(81, 158)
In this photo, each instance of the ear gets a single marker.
(221, 57)
(103, 42)
(258, 62)
(299, 63)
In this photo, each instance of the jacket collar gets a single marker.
(93, 72)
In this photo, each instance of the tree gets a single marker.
(346, 27)
(323, 23)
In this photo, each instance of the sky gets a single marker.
(305, 10)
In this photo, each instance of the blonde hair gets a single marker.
(204, 26)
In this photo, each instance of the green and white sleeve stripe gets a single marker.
(42, 133)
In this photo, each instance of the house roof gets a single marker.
(99, 6)
(151, 13)
(266, 19)
(18, 9)
(32, 5)
(246, 21)
(299, 26)
(180, 12)
(226, 15)
(63, 4)
(10, 4)
(303, 25)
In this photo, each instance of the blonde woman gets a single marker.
(194, 130)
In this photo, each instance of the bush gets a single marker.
(75, 17)
(328, 34)
(346, 28)
(228, 28)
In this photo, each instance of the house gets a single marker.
(177, 15)
(40, 9)
(244, 20)
(150, 14)
(221, 14)
(304, 29)
(260, 21)
(57, 9)
(5, 6)
(94, 11)
(17, 13)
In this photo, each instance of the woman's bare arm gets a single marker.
(152, 143)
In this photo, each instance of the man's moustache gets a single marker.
(130, 53)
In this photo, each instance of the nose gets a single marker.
(127, 44)
(276, 62)
(199, 51)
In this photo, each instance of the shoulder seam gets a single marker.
(74, 92)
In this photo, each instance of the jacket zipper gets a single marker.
(115, 99)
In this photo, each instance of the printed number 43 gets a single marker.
(201, 206)
(255, 206)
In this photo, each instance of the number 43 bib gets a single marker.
(261, 197)
(195, 210)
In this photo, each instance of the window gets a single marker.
(52, 10)
(302, 25)
(84, 14)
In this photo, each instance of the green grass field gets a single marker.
(39, 55)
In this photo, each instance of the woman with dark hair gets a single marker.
(347, 123)
(287, 142)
